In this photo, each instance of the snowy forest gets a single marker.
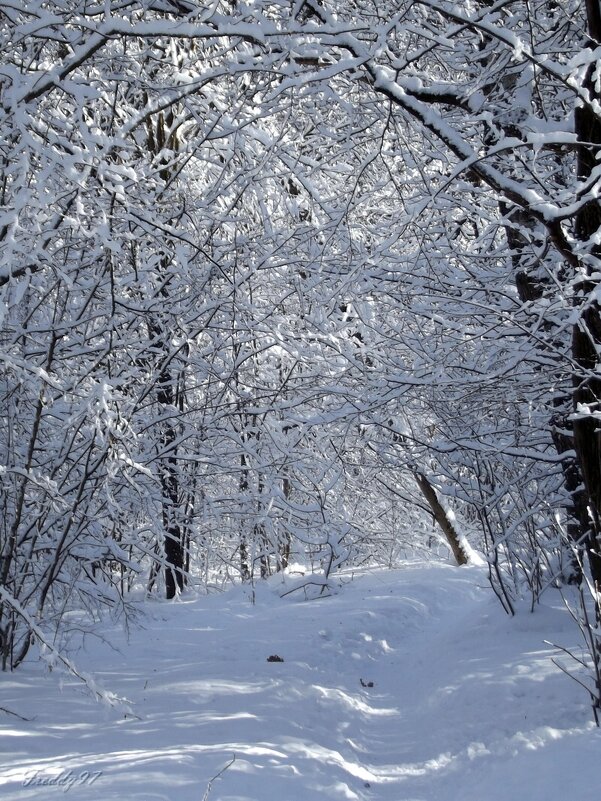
(297, 284)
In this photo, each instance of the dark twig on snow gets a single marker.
(15, 714)
(216, 776)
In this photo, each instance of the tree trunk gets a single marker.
(442, 518)
(174, 547)
(586, 337)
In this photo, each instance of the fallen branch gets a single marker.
(216, 776)
(15, 714)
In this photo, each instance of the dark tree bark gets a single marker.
(586, 337)
(160, 135)
(531, 286)
(174, 546)
(441, 516)
(245, 573)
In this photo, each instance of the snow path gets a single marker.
(465, 704)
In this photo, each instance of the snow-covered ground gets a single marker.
(407, 685)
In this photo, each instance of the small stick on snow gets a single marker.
(10, 712)
(216, 776)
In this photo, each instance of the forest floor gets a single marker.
(405, 685)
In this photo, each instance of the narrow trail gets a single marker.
(409, 685)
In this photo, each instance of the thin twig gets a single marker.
(303, 586)
(10, 712)
(216, 776)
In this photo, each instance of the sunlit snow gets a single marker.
(404, 685)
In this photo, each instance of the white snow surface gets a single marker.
(466, 704)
